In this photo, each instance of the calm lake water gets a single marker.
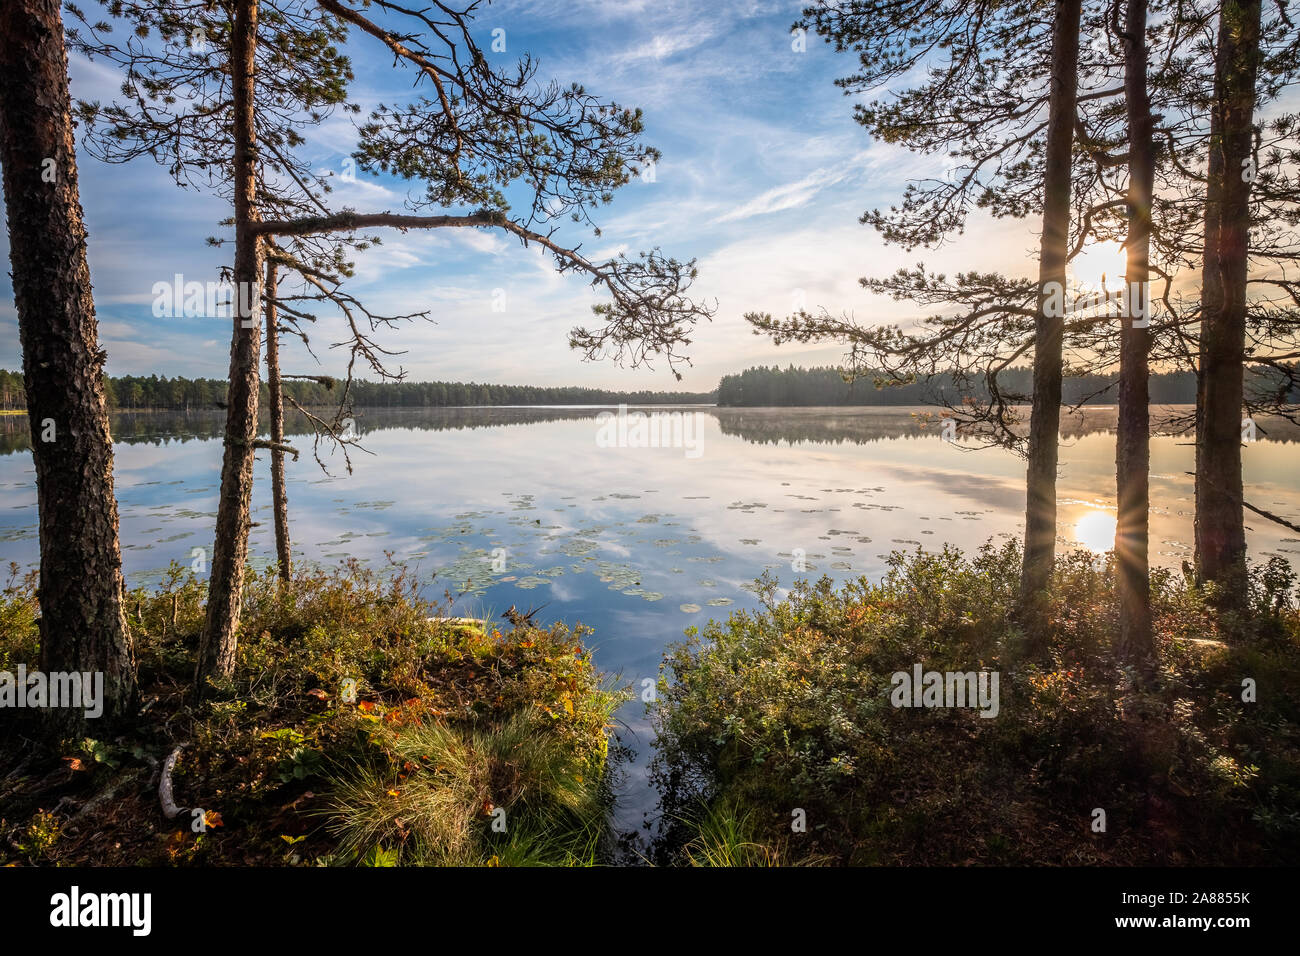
(541, 506)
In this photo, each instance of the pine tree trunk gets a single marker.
(230, 549)
(1133, 439)
(1211, 295)
(1220, 524)
(279, 494)
(83, 627)
(1045, 419)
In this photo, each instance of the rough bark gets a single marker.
(230, 548)
(1133, 438)
(1211, 292)
(279, 494)
(1220, 523)
(1045, 420)
(82, 625)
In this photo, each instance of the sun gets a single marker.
(1096, 531)
(1102, 258)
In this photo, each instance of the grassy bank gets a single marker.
(779, 742)
(355, 731)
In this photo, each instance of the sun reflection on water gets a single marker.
(1096, 530)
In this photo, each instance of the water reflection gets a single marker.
(1096, 531)
(758, 425)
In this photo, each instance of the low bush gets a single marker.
(362, 726)
(784, 720)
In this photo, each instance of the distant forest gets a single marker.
(760, 386)
(141, 392)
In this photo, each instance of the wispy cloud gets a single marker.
(794, 195)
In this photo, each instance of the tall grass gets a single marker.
(512, 792)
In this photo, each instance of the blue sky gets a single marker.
(763, 177)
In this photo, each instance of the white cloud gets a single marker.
(665, 45)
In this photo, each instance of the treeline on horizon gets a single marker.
(763, 386)
(154, 391)
(757, 386)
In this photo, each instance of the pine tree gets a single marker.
(478, 129)
(82, 624)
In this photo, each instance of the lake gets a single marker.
(567, 509)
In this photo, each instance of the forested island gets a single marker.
(767, 386)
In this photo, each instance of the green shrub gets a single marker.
(361, 726)
(789, 709)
